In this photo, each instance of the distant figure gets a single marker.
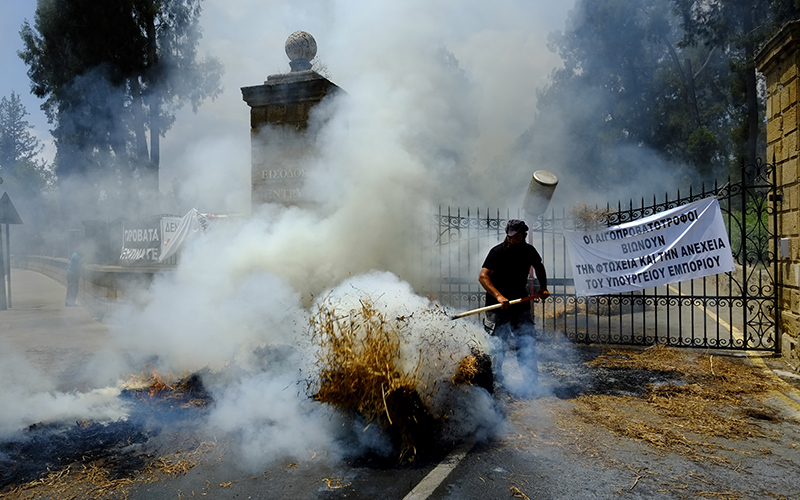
(74, 273)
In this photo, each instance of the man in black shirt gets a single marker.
(504, 276)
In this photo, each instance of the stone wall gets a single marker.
(778, 61)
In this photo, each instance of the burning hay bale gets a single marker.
(467, 370)
(475, 369)
(360, 371)
(399, 361)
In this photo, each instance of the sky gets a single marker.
(501, 48)
(14, 77)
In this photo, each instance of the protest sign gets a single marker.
(680, 244)
(141, 242)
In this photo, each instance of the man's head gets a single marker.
(516, 231)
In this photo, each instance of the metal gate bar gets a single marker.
(684, 314)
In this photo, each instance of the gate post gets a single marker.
(779, 61)
(281, 129)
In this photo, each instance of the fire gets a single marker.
(158, 384)
(185, 392)
(152, 380)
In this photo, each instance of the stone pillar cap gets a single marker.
(301, 48)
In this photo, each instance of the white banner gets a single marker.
(680, 244)
(141, 242)
(177, 231)
(169, 226)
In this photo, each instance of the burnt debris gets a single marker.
(117, 447)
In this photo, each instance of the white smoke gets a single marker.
(431, 340)
(435, 90)
(31, 396)
(438, 89)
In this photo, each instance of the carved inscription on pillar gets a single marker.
(280, 185)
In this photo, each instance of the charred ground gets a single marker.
(688, 405)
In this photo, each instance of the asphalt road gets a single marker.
(545, 448)
(544, 451)
(55, 339)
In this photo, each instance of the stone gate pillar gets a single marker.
(779, 60)
(279, 125)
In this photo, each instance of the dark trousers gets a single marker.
(72, 288)
(514, 326)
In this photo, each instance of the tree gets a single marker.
(628, 94)
(737, 28)
(17, 143)
(652, 81)
(19, 148)
(111, 72)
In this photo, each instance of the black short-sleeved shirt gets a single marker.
(510, 268)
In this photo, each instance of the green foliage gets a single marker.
(19, 148)
(17, 143)
(755, 226)
(737, 28)
(110, 72)
(701, 146)
(672, 80)
(628, 93)
(30, 177)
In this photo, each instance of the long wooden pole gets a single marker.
(495, 306)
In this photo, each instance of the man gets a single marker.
(73, 277)
(504, 276)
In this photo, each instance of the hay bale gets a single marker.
(475, 369)
(587, 218)
(360, 370)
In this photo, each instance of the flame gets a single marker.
(152, 380)
(158, 383)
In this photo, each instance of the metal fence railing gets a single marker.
(735, 310)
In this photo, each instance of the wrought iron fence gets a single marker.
(735, 310)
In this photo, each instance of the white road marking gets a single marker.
(435, 477)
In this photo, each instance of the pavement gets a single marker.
(54, 338)
(552, 448)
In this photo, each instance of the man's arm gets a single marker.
(485, 279)
(541, 275)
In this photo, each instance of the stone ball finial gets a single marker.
(301, 49)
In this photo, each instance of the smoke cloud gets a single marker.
(431, 101)
(435, 90)
(30, 396)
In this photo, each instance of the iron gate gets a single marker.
(735, 310)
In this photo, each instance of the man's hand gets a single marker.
(485, 279)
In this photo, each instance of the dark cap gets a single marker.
(515, 226)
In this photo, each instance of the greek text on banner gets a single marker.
(680, 244)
